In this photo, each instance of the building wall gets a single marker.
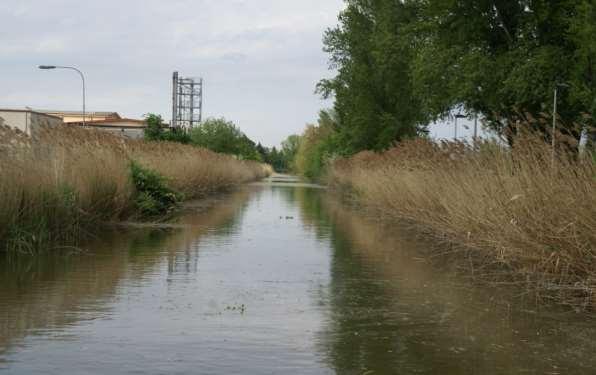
(28, 122)
(16, 119)
(123, 132)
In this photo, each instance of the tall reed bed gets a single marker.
(514, 209)
(62, 181)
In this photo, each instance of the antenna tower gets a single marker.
(187, 102)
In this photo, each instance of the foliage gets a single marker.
(401, 64)
(176, 135)
(289, 149)
(154, 130)
(317, 146)
(275, 158)
(372, 52)
(153, 196)
(282, 160)
(502, 58)
(223, 136)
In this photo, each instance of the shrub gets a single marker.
(153, 196)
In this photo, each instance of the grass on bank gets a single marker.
(514, 209)
(58, 184)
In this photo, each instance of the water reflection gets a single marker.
(391, 312)
(271, 279)
(51, 292)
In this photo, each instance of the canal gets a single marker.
(272, 279)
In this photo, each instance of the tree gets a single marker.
(402, 64)
(318, 145)
(289, 148)
(223, 136)
(154, 130)
(372, 52)
(503, 58)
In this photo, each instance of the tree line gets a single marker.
(223, 136)
(402, 64)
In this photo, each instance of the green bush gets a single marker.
(154, 197)
(225, 137)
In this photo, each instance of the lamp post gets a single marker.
(48, 67)
(557, 85)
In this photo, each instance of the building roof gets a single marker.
(80, 113)
(29, 110)
(116, 123)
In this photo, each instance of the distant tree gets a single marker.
(276, 160)
(318, 145)
(154, 130)
(263, 152)
(176, 135)
(289, 148)
(223, 136)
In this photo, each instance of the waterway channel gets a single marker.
(271, 279)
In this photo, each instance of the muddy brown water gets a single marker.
(271, 279)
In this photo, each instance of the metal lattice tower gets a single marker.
(187, 102)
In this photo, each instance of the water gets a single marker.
(272, 279)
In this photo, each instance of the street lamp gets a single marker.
(48, 67)
(557, 85)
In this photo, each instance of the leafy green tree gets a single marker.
(262, 151)
(318, 145)
(372, 52)
(402, 64)
(223, 136)
(154, 130)
(503, 58)
(176, 135)
(289, 148)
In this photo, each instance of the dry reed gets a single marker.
(63, 180)
(514, 208)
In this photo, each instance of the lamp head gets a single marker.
(47, 67)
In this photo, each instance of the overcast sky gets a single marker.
(260, 59)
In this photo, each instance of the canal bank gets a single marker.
(273, 278)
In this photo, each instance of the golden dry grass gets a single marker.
(64, 179)
(513, 208)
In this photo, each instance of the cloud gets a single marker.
(260, 58)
